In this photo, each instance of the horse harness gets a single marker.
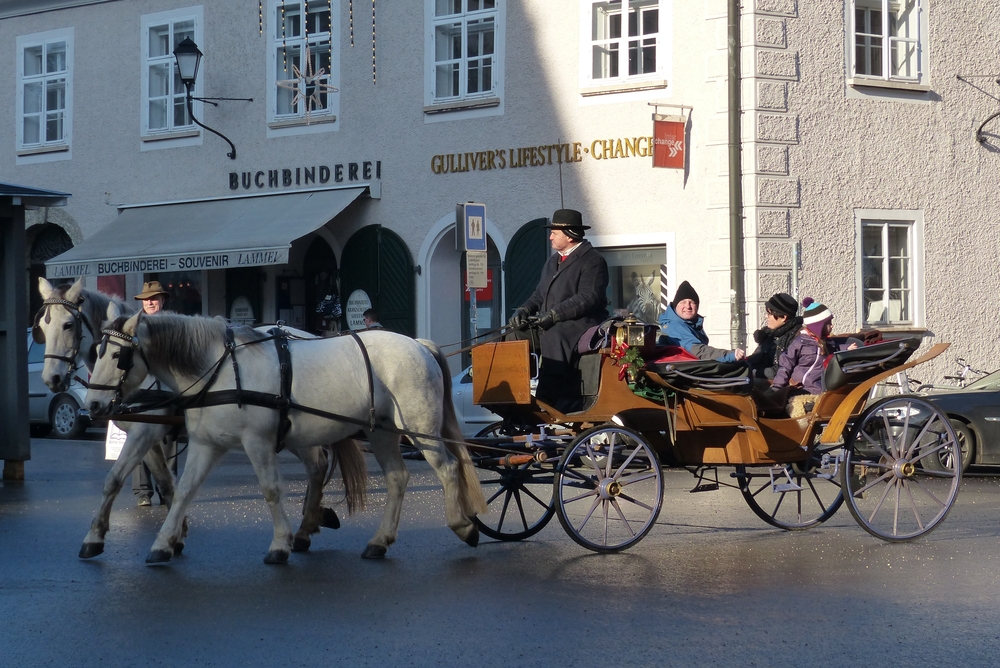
(154, 399)
(80, 321)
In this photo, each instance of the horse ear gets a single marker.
(73, 294)
(132, 324)
(44, 287)
(113, 311)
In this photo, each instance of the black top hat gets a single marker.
(569, 221)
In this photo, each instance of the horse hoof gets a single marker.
(159, 556)
(89, 550)
(330, 519)
(300, 544)
(276, 557)
(178, 549)
(373, 552)
(472, 540)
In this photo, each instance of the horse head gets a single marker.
(64, 329)
(120, 366)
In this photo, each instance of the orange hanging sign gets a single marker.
(668, 141)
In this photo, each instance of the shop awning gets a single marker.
(205, 234)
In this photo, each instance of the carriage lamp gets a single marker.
(188, 57)
(631, 331)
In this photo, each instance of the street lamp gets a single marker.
(188, 57)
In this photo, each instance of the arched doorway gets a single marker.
(319, 272)
(523, 263)
(377, 261)
(48, 241)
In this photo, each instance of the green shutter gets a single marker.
(526, 255)
(377, 261)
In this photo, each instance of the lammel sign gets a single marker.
(217, 260)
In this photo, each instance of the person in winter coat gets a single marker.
(571, 297)
(800, 368)
(781, 327)
(680, 325)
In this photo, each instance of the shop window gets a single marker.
(44, 92)
(635, 283)
(185, 288)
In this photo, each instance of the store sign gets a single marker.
(668, 141)
(241, 312)
(186, 262)
(542, 156)
(286, 177)
(357, 304)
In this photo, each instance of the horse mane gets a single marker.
(188, 345)
(95, 305)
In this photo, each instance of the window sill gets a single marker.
(300, 122)
(38, 150)
(165, 136)
(462, 105)
(894, 85)
(627, 87)
(897, 331)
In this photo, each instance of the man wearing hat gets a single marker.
(570, 298)
(680, 325)
(152, 297)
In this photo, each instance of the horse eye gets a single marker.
(114, 356)
(67, 326)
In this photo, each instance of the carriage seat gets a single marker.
(850, 367)
(733, 377)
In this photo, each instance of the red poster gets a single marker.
(668, 144)
(481, 293)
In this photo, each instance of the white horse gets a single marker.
(401, 385)
(69, 324)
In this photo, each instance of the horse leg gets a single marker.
(315, 461)
(265, 465)
(160, 470)
(446, 467)
(201, 459)
(385, 447)
(135, 448)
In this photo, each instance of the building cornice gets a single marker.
(12, 8)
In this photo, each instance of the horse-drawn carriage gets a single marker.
(600, 469)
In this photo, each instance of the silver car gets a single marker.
(472, 419)
(49, 412)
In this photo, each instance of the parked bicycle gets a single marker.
(967, 374)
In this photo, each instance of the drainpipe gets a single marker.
(737, 296)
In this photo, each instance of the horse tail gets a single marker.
(353, 471)
(470, 493)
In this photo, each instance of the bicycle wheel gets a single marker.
(890, 485)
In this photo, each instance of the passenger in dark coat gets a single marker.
(570, 298)
(773, 339)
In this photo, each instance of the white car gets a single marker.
(471, 418)
(48, 411)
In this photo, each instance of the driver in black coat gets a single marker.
(570, 298)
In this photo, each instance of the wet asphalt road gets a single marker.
(711, 585)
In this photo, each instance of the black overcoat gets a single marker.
(576, 290)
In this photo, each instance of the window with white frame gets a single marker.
(304, 63)
(465, 49)
(164, 98)
(887, 41)
(889, 268)
(44, 90)
(623, 41)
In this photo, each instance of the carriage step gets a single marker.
(706, 487)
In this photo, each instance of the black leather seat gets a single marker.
(855, 366)
(705, 375)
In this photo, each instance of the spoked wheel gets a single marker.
(794, 496)
(519, 496)
(899, 476)
(608, 488)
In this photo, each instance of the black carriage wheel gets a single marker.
(890, 475)
(518, 497)
(608, 489)
(775, 500)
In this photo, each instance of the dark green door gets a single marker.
(377, 261)
(526, 254)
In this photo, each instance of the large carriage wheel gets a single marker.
(899, 474)
(608, 488)
(519, 497)
(773, 497)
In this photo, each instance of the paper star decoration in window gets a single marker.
(308, 86)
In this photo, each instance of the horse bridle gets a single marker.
(125, 359)
(38, 334)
